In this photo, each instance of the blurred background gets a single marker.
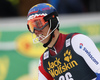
(19, 57)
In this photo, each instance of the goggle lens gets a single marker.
(37, 23)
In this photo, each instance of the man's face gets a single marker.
(43, 32)
(40, 28)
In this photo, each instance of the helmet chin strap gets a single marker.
(51, 36)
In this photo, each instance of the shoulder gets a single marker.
(40, 66)
(80, 42)
(86, 48)
(79, 35)
(43, 75)
(80, 38)
(43, 55)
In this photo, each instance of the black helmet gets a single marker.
(41, 15)
(47, 11)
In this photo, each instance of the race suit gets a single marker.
(73, 57)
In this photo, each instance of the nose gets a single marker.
(37, 31)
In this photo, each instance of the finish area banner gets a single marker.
(19, 57)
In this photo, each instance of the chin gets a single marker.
(44, 41)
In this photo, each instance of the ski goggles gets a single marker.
(36, 24)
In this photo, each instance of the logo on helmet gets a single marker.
(47, 8)
(49, 5)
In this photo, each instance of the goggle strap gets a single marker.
(49, 28)
(50, 16)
